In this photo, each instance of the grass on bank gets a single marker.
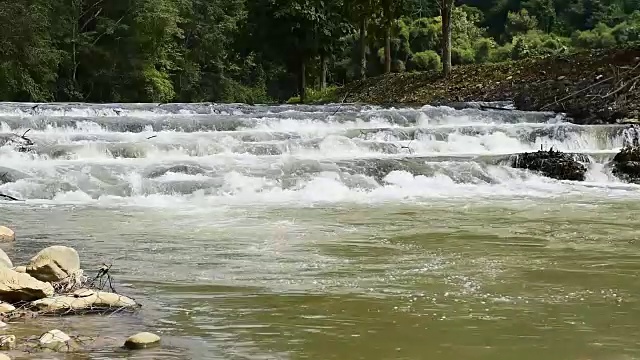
(328, 95)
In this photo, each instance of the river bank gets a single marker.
(591, 87)
(52, 284)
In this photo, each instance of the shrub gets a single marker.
(461, 56)
(483, 49)
(425, 61)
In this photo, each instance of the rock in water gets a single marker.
(15, 286)
(142, 340)
(65, 303)
(5, 308)
(7, 234)
(54, 263)
(4, 260)
(20, 269)
(53, 336)
(56, 340)
(84, 301)
(626, 164)
(553, 164)
(7, 342)
(4, 357)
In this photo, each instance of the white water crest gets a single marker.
(204, 155)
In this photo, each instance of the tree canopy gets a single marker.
(271, 50)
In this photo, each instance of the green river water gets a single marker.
(288, 235)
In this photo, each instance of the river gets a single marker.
(329, 232)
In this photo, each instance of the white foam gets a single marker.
(326, 189)
(94, 168)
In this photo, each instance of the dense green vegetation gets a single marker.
(256, 50)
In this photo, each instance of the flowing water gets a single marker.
(329, 232)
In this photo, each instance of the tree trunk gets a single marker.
(446, 12)
(363, 48)
(386, 15)
(75, 29)
(387, 48)
(323, 71)
(303, 81)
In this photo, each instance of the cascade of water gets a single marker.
(208, 153)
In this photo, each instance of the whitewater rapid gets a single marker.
(204, 155)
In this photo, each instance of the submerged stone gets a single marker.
(142, 340)
(552, 164)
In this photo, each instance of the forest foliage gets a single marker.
(270, 50)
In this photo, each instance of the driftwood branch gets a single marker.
(408, 147)
(616, 75)
(9, 197)
(100, 278)
(487, 107)
(341, 103)
(633, 83)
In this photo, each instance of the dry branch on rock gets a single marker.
(626, 164)
(553, 164)
(53, 284)
(83, 301)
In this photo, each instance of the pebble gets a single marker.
(142, 340)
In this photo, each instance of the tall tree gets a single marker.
(28, 57)
(361, 13)
(208, 66)
(287, 31)
(446, 12)
(86, 31)
(387, 23)
(156, 32)
(328, 33)
(391, 11)
(364, 12)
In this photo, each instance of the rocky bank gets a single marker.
(53, 283)
(591, 87)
